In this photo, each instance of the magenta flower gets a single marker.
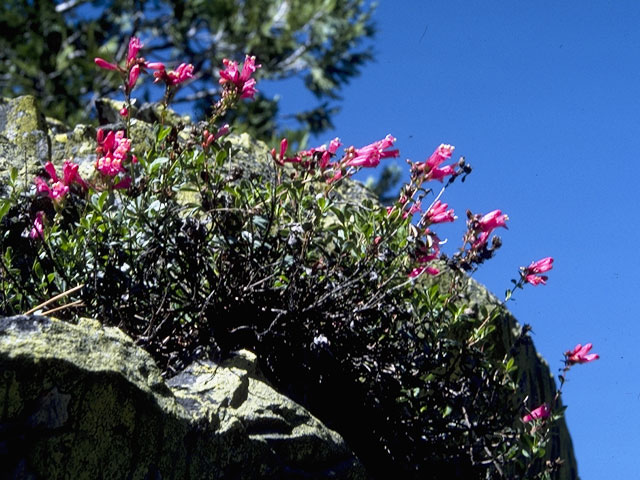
(57, 188)
(132, 67)
(134, 73)
(442, 153)
(543, 411)
(432, 166)
(173, 77)
(38, 226)
(280, 159)
(486, 224)
(370, 155)
(580, 354)
(438, 213)
(113, 151)
(104, 64)
(492, 220)
(530, 273)
(240, 82)
(438, 173)
(321, 153)
(134, 47)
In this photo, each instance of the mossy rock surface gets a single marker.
(82, 401)
(24, 143)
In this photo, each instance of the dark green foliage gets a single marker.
(208, 253)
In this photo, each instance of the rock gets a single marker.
(82, 401)
(24, 143)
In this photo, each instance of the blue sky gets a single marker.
(543, 99)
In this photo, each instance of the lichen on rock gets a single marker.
(82, 401)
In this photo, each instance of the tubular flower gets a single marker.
(370, 155)
(134, 47)
(240, 82)
(492, 220)
(438, 213)
(432, 166)
(38, 226)
(486, 224)
(133, 66)
(530, 273)
(322, 154)
(57, 188)
(112, 150)
(172, 77)
(442, 153)
(580, 354)
(543, 411)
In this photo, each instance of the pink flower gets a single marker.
(543, 411)
(280, 159)
(104, 64)
(70, 174)
(432, 165)
(134, 73)
(124, 112)
(322, 154)
(57, 188)
(134, 48)
(486, 224)
(530, 273)
(174, 77)
(370, 155)
(438, 173)
(442, 153)
(113, 150)
(580, 354)
(438, 213)
(38, 227)
(243, 85)
(492, 220)
(154, 65)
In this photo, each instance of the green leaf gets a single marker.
(163, 132)
(5, 205)
(221, 157)
(156, 164)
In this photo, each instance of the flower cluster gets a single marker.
(57, 188)
(438, 213)
(431, 168)
(135, 65)
(171, 78)
(531, 273)
(368, 156)
(487, 224)
(239, 83)
(113, 152)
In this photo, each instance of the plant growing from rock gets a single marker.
(195, 250)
